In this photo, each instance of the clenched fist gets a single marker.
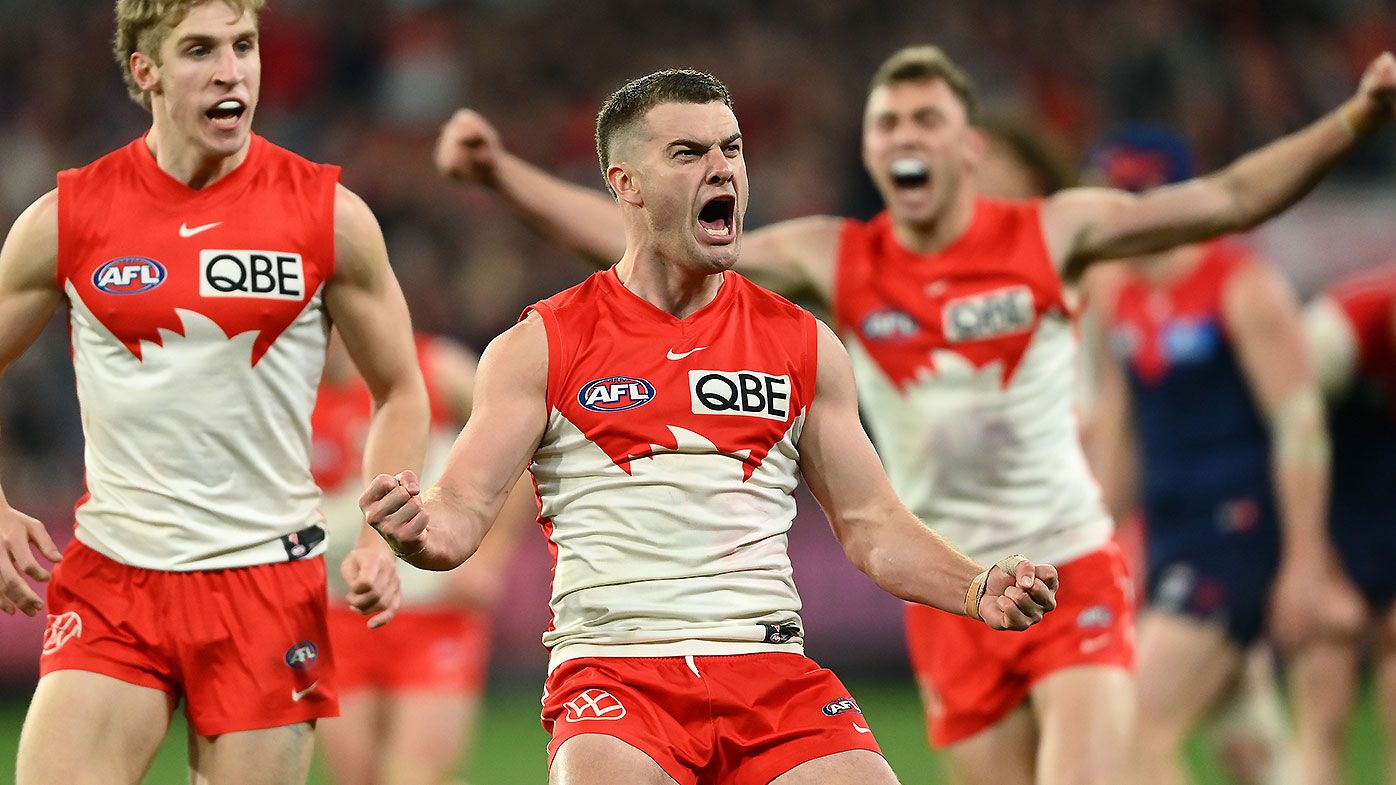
(468, 148)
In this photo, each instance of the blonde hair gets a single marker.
(923, 64)
(142, 25)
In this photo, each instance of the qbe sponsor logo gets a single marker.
(615, 393)
(128, 275)
(274, 275)
(987, 315)
(61, 628)
(749, 393)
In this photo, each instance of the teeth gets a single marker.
(909, 167)
(229, 106)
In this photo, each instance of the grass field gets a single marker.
(510, 750)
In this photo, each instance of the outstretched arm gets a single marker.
(789, 257)
(442, 527)
(881, 537)
(1083, 225)
(29, 294)
(366, 304)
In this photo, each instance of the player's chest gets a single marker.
(1156, 331)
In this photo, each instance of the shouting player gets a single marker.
(953, 310)
(409, 693)
(201, 266)
(1352, 331)
(668, 407)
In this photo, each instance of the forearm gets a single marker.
(397, 439)
(578, 218)
(1300, 463)
(1270, 179)
(908, 560)
(454, 532)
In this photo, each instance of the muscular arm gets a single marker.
(881, 537)
(443, 526)
(1083, 225)
(788, 257)
(29, 294)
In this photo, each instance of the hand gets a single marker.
(392, 507)
(468, 148)
(1313, 599)
(1018, 600)
(373, 584)
(18, 535)
(1372, 105)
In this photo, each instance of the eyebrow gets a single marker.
(248, 34)
(704, 145)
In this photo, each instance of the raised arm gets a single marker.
(439, 529)
(367, 307)
(1083, 225)
(881, 537)
(1262, 315)
(790, 257)
(29, 294)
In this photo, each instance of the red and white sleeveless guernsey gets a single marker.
(666, 470)
(965, 361)
(198, 336)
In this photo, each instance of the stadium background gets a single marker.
(365, 84)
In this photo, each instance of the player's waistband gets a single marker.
(696, 648)
(303, 544)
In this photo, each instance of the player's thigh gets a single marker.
(1185, 667)
(425, 736)
(83, 727)
(350, 744)
(1005, 753)
(1085, 722)
(596, 759)
(267, 756)
(850, 767)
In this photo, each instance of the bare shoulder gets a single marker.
(519, 353)
(1259, 291)
(30, 256)
(358, 240)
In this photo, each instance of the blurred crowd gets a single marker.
(366, 83)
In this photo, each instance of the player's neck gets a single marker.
(186, 162)
(675, 289)
(932, 236)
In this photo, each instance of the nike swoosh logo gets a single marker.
(186, 230)
(861, 729)
(296, 695)
(672, 355)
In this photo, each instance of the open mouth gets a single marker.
(910, 173)
(227, 113)
(716, 216)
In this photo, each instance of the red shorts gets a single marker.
(442, 651)
(740, 719)
(973, 676)
(247, 648)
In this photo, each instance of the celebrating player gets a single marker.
(952, 308)
(409, 693)
(1210, 393)
(200, 265)
(667, 407)
(1352, 331)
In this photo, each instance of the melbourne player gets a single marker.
(953, 310)
(409, 693)
(1208, 391)
(1352, 331)
(666, 408)
(201, 266)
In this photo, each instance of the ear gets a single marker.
(145, 71)
(622, 180)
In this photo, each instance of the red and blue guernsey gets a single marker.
(1204, 449)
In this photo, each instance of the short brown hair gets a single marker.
(924, 64)
(629, 104)
(142, 25)
(1039, 151)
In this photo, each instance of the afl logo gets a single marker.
(841, 706)
(129, 275)
(615, 394)
(302, 655)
